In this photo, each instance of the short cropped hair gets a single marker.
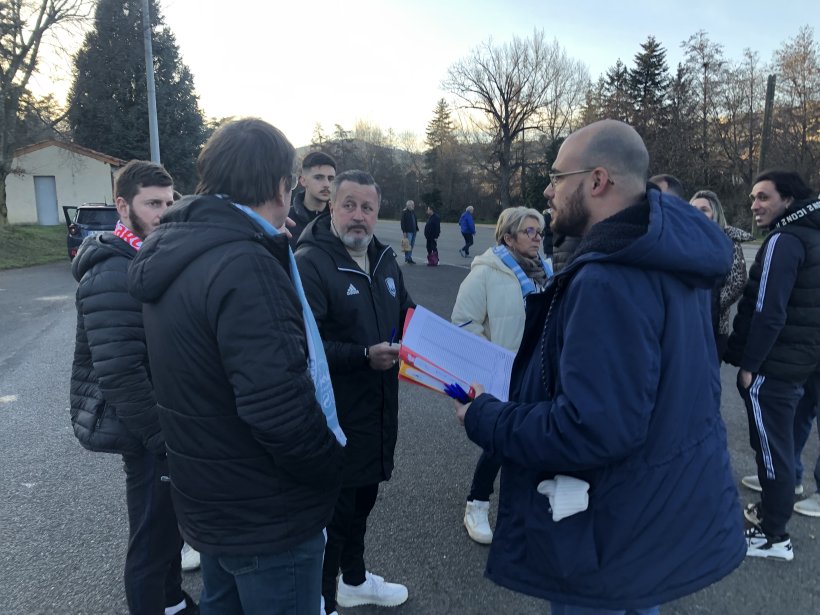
(317, 159)
(674, 185)
(140, 174)
(357, 177)
(714, 202)
(512, 220)
(246, 160)
(787, 183)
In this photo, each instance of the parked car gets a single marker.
(87, 220)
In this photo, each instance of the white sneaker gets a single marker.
(753, 482)
(476, 520)
(809, 507)
(760, 545)
(190, 558)
(374, 590)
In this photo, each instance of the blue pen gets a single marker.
(393, 336)
(464, 324)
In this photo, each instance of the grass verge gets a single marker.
(26, 245)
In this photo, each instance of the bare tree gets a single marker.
(24, 26)
(504, 89)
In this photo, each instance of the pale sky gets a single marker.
(298, 63)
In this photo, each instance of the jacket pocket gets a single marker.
(560, 549)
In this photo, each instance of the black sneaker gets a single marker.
(191, 607)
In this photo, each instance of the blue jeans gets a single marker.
(556, 608)
(411, 237)
(287, 583)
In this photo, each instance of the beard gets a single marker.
(137, 226)
(356, 242)
(573, 217)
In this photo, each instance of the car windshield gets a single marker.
(103, 216)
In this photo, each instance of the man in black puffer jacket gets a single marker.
(255, 467)
(776, 344)
(113, 406)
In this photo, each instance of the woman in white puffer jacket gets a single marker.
(490, 303)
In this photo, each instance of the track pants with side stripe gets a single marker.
(770, 406)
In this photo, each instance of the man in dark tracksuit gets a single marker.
(356, 292)
(113, 403)
(776, 344)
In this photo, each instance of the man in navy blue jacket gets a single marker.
(617, 494)
(776, 344)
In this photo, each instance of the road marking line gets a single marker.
(6, 399)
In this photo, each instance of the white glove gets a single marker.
(567, 495)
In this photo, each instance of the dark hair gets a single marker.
(140, 174)
(357, 177)
(317, 159)
(787, 183)
(674, 185)
(245, 159)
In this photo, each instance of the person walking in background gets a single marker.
(490, 303)
(727, 291)
(113, 402)
(467, 226)
(409, 228)
(775, 343)
(246, 405)
(617, 492)
(546, 239)
(432, 229)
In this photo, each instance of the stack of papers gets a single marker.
(435, 353)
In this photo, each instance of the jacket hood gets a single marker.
(192, 226)
(97, 249)
(488, 259)
(803, 213)
(661, 233)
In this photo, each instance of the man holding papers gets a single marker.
(356, 291)
(617, 494)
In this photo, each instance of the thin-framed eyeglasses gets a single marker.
(555, 176)
(532, 232)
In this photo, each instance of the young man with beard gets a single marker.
(775, 342)
(245, 397)
(113, 404)
(318, 171)
(357, 294)
(616, 489)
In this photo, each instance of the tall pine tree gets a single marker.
(648, 83)
(108, 109)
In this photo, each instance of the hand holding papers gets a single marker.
(436, 354)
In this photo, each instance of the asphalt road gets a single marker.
(62, 509)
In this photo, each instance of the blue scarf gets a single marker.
(317, 360)
(527, 285)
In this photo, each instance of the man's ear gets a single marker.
(600, 179)
(302, 181)
(122, 208)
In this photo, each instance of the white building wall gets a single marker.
(79, 179)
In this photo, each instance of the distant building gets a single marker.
(47, 175)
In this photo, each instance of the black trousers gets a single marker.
(432, 246)
(770, 406)
(345, 540)
(153, 576)
(483, 478)
(468, 241)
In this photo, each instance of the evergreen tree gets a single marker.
(616, 99)
(648, 83)
(108, 109)
(439, 158)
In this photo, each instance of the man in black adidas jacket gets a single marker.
(776, 344)
(113, 406)
(357, 294)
